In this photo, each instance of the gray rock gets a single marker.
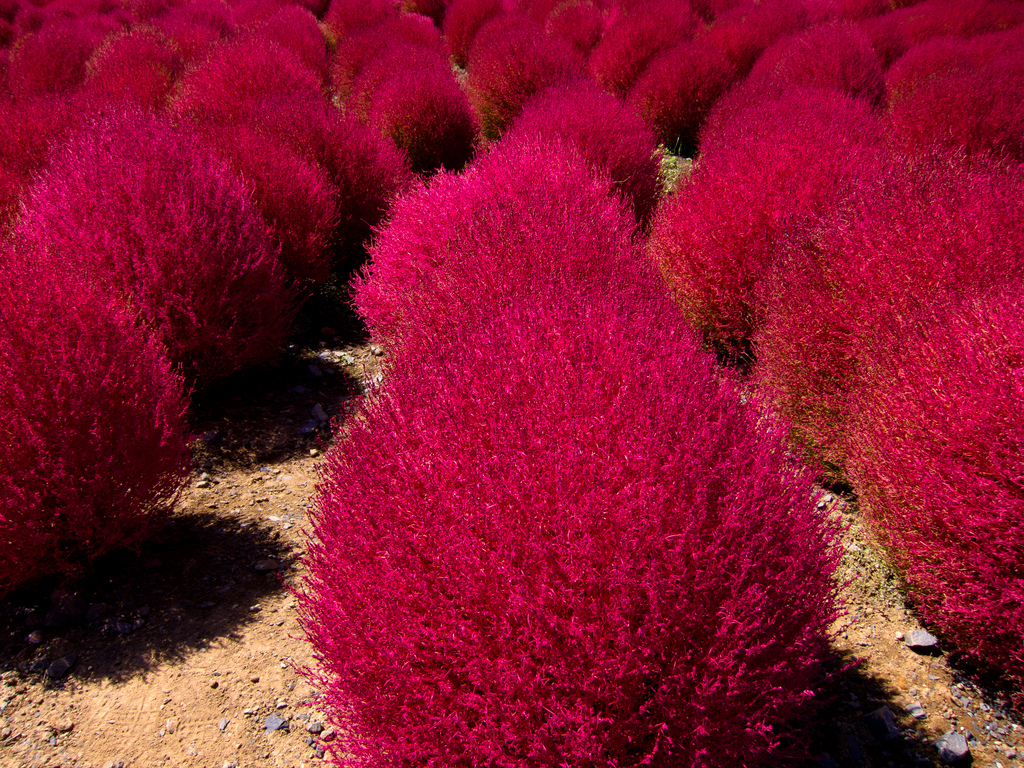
(952, 747)
(171, 725)
(123, 627)
(316, 371)
(223, 723)
(60, 667)
(268, 564)
(275, 723)
(203, 484)
(916, 710)
(308, 427)
(319, 414)
(921, 639)
(881, 723)
(315, 727)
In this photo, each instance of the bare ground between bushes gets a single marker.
(180, 653)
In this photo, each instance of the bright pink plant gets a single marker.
(773, 164)
(679, 88)
(344, 17)
(744, 32)
(31, 128)
(92, 448)
(141, 65)
(360, 48)
(834, 56)
(295, 196)
(53, 59)
(510, 204)
(412, 96)
(150, 214)
(238, 72)
(296, 29)
(432, 9)
(634, 35)
(461, 23)
(606, 132)
(579, 22)
(512, 59)
(579, 549)
(933, 18)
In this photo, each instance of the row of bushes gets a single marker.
(555, 536)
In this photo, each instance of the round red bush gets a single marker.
(53, 59)
(296, 29)
(142, 66)
(92, 447)
(461, 23)
(744, 32)
(344, 17)
(579, 22)
(147, 211)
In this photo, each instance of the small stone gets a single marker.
(377, 351)
(113, 764)
(314, 452)
(254, 679)
(327, 735)
(229, 764)
(60, 667)
(206, 476)
(952, 747)
(248, 711)
(203, 484)
(281, 705)
(275, 723)
(921, 639)
(34, 638)
(319, 414)
(900, 636)
(171, 725)
(315, 370)
(268, 564)
(882, 725)
(1011, 753)
(315, 727)
(63, 726)
(916, 710)
(215, 685)
(308, 427)
(223, 724)
(123, 627)
(821, 506)
(319, 753)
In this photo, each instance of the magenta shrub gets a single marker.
(239, 72)
(933, 18)
(606, 132)
(579, 549)
(296, 29)
(93, 447)
(634, 35)
(833, 56)
(51, 60)
(461, 23)
(886, 36)
(417, 102)
(295, 196)
(512, 59)
(936, 440)
(141, 65)
(579, 22)
(972, 109)
(31, 128)
(193, 40)
(344, 17)
(150, 214)
(508, 204)
(432, 9)
(360, 48)
(767, 168)
(744, 32)
(679, 88)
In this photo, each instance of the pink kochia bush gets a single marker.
(141, 65)
(461, 23)
(510, 205)
(53, 59)
(606, 132)
(763, 170)
(92, 433)
(511, 59)
(411, 95)
(149, 212)
(579, 549)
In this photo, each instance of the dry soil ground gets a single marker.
(179, 654)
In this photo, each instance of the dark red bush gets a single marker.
(360, 48)
(833, 56)
(767, 168)
(579, 549)
(634, 35)
(148, 212)
(239, 72)
(461, 23)
(579, 22)
(295, 196)
(606, 132)
(344, 17)
(31, 128)
(193, 40)
(933, 18)
(142, 66)
(744, 32)
(432, 9)
(92, 447)
(512, 59)
(53, 59)
(679, 88)
(411, 96)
